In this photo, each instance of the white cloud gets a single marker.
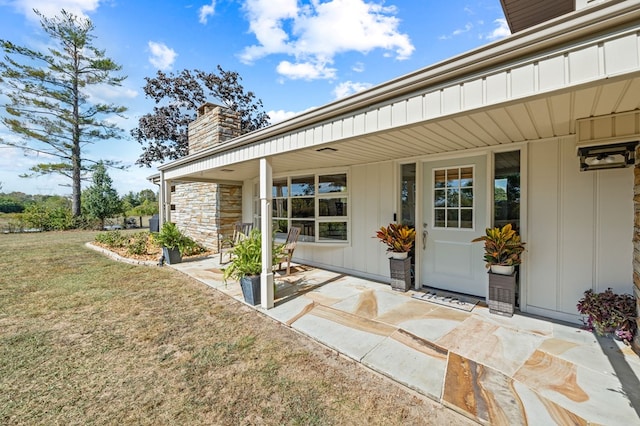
(348, 88)
(314, 33)
(280, 115)
(206, 11)
(51, 8)
(501, 31)
(305, 70)
(162, 56)
(106, 94)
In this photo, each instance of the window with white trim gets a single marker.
(315, 203)
(453, 197)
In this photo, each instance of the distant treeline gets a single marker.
(22, 211)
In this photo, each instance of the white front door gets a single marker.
(455, 212)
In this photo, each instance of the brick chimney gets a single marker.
(214, 124)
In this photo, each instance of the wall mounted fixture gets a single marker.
(613, 156)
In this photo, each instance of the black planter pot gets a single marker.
(171, 256)
(251, 289)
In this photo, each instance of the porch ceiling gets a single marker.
(532, 119)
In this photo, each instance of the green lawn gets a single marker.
(87, 340)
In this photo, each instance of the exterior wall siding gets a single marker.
(579, 229)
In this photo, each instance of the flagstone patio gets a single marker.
(493, 369)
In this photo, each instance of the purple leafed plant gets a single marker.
(608, 312)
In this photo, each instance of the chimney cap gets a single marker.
(206, 107)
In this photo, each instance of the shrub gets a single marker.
(111, 239)
(608, 312)
(137, 244)
(48, 218)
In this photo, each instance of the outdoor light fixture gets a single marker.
(612, 156)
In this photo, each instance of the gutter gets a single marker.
(544, 36)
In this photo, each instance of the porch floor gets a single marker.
(493, 369)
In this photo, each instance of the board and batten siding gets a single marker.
(372, 205)
(580, 230)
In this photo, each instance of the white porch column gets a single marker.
(266, 281)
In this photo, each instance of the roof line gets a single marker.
(546, 35)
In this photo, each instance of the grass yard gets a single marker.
(88, 340)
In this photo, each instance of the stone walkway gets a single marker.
(493, 369)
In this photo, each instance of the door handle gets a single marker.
(425, 234)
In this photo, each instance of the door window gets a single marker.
(453, 200)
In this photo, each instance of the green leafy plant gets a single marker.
(111, 239)
(502, 246)
(172, 238)
(608, 312)
(138, 243)
(397, 237)
(246, 256)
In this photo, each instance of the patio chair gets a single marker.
(288, 247)
(226, 245)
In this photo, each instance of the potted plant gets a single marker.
(609, 313)
(246, 265)
(173, 242)
(502, 249)
(399, 240)
(502, 252)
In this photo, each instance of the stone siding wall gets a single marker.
(206, 212)
(636, 247)
(214, 125)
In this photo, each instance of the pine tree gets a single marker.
(101, 200)
(49, 106)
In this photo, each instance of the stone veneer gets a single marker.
(636, 247)
(215, 124)
(207, 211)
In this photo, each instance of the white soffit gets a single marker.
(610, 129)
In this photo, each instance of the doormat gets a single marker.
(448, 299)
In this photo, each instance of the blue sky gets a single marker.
(295, 55)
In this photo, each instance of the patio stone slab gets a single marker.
(500, 348)
(592, 395)
(542, 411)
(482, 392)
(434, 322)
(290, 311)
(372, 303)
(354, 336)
(410, 361)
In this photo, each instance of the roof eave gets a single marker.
(558, 32)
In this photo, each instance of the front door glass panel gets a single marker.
(453, 197)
